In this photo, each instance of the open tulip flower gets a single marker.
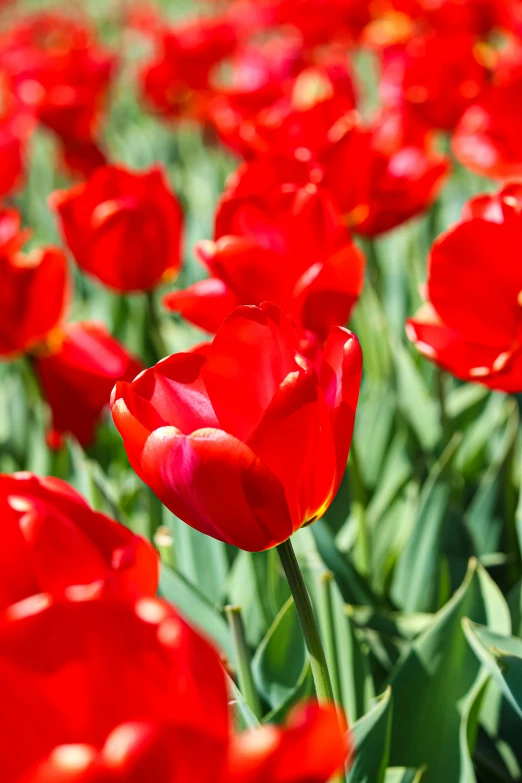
(244, 440)
(96, 691)
(77, 369)
(123, 227)
(290, 248)
(52, 541)
(34, 288)
(472, 322)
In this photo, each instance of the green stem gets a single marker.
(154, 324)
(244, 671)
(323, 686)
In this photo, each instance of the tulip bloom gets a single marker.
(289, 248)
(436, 76)
(77, 371)
(33, 288)
(298, 122)
(51, 540)
(53, 67)
(123, 227)
(472, 322)
(244, 440)
(488, 139)
(177, 82)
(103, 690)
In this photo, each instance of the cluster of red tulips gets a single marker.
(244, 438)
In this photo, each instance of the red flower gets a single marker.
(177, 83)
(436, 76)
(290, 248)
(54, 67)
(33, 288)
(244, 441)
(379, 180)
(472, 324)
(51, 539)
(108, 690)
(123, 227)
(298, 122)
(488, 139)
(77, 372)
(380, 175)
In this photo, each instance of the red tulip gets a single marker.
(51, 540)
(177, 82)
(244, 441)
(380, 175)
(298, 122)
(289, 248)
(472, 324)
(123, 227)
(436, 76)
(97, 691)
(33, 288)
(53, 66)
(77, 372)
(488, 139)
(379, 179)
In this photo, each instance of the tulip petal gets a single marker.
(217, 485)
(468, 360)
(309, 748)
(294, 439)
(205, 304)
(328, 293)
(341, 380)
(248, 360)
(475, 278)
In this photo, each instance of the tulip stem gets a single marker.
(244, 671)
(323, 686)
(154, 324)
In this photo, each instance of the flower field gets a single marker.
(260, 388)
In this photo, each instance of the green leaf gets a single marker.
(403, 775)
(371, 738)
(201, 559)
(176, 589)
(417, 406)
(433, 682)
(416, 584)
(502, 656)
(280, 660)
(242, 715)
(353, 587)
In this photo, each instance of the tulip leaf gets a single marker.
(438, 684)
(502, 656)
(371, 738)
(352, 585)
(416, 583)
(418, 408)
(242, 715)
(280, 660)
(200, 558)
(479, 434)
(403, 775)
(183, 595)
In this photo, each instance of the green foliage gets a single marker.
(422, 541)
